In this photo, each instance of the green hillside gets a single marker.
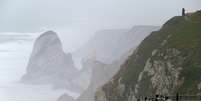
(170, 57)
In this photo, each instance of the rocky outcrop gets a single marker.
(166, 62)
(103, 57)
(48, 64)
(100, 74)
(163, 73)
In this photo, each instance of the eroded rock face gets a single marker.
(166, 62)
(163, 72)
(48, 63)
(100, 74)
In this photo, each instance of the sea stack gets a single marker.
(48, 64)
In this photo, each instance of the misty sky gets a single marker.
(77, 20)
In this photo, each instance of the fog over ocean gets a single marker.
(74, 25)
(14, 55)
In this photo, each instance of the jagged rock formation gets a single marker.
(166, 62)
(100, 74)
(109, 45)
(102, 70)
(48, 63)
(106, 61)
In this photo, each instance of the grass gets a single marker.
(185, 32)
(185, 36)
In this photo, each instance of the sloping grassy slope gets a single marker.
(185, 36)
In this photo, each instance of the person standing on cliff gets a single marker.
(183, 12)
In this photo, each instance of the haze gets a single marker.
(77, 20)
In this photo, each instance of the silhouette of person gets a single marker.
(183, 12)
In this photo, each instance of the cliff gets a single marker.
(166, 62)
(109, 45)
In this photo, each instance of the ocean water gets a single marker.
(14, 56)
